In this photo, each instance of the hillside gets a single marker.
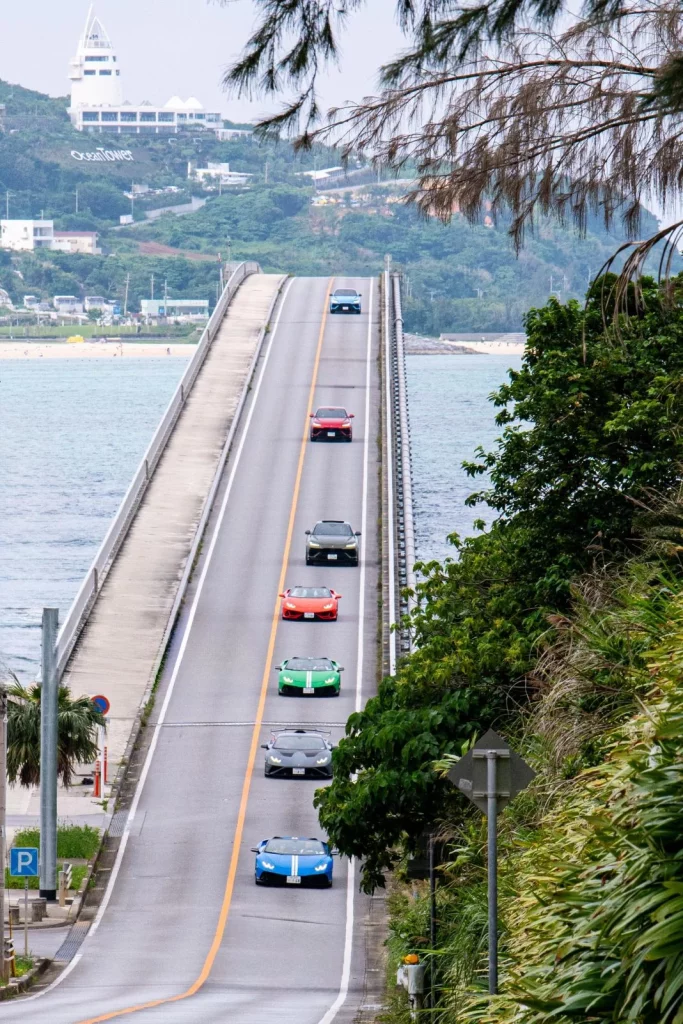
(459, 276)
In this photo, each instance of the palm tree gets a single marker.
(77, 720)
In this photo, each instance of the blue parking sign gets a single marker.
(23, 861)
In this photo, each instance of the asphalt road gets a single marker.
(184, 928)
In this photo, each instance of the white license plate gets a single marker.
(331, 433)
(309, 615)
(293, 879)
(309, 689)
(298, 771)
(332, 558)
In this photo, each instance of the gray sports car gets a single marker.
(332, 541)
(299, 752)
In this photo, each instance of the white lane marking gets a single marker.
(351, 873)
(167, 699)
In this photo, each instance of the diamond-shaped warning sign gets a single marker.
(470, 774)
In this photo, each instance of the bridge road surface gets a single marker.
(284, 954)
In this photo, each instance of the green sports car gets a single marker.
(315, 677)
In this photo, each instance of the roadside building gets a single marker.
(98, 302)
(216, 173)
(175, 308)
(26, 235)
(84, 242)
(68, 305)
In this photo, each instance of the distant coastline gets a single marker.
(465, 344)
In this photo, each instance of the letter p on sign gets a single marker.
(23, 861)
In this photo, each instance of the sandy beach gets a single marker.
(91, 350)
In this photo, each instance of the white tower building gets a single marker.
(94, 71)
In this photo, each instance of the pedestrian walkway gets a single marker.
(119, 649)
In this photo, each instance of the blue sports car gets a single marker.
(288, 860)
(345, 300)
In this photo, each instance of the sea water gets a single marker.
(73, 433)
(71, 436)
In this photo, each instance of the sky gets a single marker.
(169, 47)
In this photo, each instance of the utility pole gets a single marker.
(49, 692)
(125, 298)
(151, 286)
(228, 242)
(3, 816)
(76, 200)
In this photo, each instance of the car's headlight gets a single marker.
(331, 679)
(287, 679)
(352, 544)
(290, 604)
(326, 607)
(317, 423)
(275, 760)
(267, 865)
(321, 867)
(313, 544)
(323, 760)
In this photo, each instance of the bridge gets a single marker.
(178, 622)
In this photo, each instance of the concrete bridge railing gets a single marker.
(86, 597)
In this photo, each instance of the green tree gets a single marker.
(590, 422)
(77, 721)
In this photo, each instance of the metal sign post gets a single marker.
(23, 861)
(49, 699)
(491, 775)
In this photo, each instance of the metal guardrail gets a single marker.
(389, 454)
(399, 438)
(82, 604)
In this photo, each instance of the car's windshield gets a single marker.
(298, 847)
(310, 592)
(333, 530)
(309, 665)
(346, 291)
(331, 414)
(298, 742)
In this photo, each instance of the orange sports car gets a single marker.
(310, 603)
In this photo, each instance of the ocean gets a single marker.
(73, 433)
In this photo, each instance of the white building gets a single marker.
(68, 304)
(26, 235)
(216, 173)
(175, 308)
(97, 103)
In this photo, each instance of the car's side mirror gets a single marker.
(282, 595)
(264, 746)
(357, 534)
(307, 532)
(254, 849)
(334, 853)
(340, 669)
(352, 415)
(277, 668)
(339, 596)
(311, 415)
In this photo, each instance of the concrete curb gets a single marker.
(17, 985)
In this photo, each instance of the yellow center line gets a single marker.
(255, 736)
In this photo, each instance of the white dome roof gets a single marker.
(193, 104)
(175, 103)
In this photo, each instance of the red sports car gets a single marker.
(331, 424)
(310, 603)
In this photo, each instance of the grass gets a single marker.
(22, 965)
(79, 842)
(78, 873)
